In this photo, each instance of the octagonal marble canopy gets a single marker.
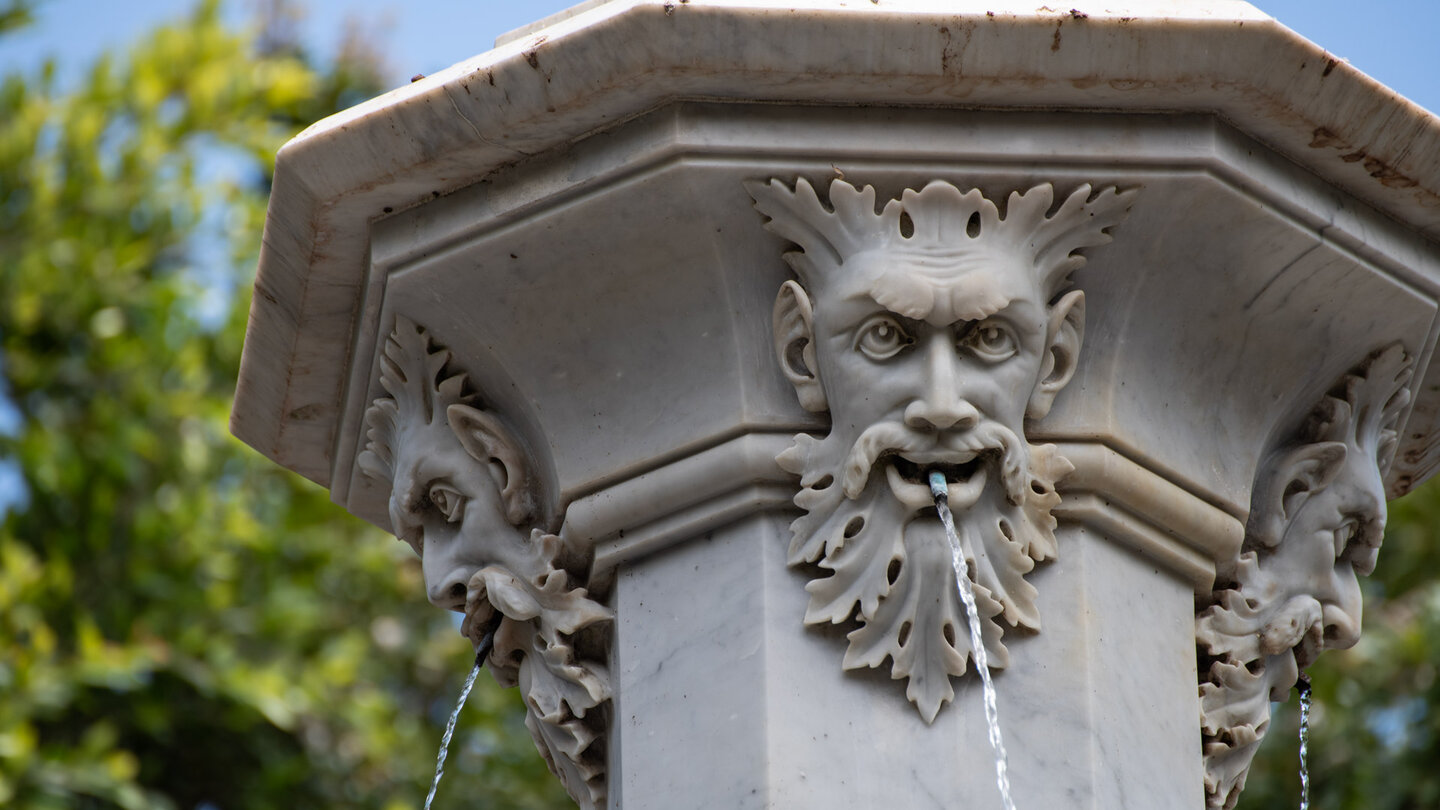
(586, 175)
(565, 227)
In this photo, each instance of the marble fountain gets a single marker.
(646, 327)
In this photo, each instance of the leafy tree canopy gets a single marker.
(182, 623)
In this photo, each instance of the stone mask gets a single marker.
(930, 332)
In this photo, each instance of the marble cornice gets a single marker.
(408, 254)
(680, 500)
(549, 88)
(1134, 505)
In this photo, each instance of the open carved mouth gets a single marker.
(916, 473)
(480, 615)
(909, 478)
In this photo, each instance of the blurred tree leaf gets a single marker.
(16, 14)
(182, 623)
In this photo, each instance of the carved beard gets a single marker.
(542, 616)
(890, 562)
(1259, 650)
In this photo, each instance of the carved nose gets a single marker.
(446, 577)
(941, 413)
(449, 591)
(1341, 613)
(942, 405)
(1342, 630)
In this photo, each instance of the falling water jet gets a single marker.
(940, 490)
(486, 642)
(1302, 685)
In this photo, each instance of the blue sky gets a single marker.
(1395, 41)
(416, 37)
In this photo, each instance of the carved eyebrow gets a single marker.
(853, 310)
(1005, 314)
(414, 498)
(421, 477)
(910, 326)
(1007, 309)
(405, 522)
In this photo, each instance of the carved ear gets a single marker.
(793, 323)
(1311, 469)
(1298, 475)
(490, 443)
(1062, 352)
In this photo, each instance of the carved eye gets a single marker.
(882, 338)
(991, 341)
(447, 501)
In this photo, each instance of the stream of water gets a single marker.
(977, 644)
(1303, 687)
(450, 730)
(482, 651)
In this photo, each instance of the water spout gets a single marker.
(940, 490)
(481, 652)
(1303, 687)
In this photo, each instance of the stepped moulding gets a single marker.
(645, 327)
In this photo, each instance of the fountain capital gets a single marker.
(632, 375)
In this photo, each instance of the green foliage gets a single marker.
(15, 14)
(1375, 731)
(182, 623)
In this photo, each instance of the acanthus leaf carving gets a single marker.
(1317, 517)
(930, 331)
(461, 493)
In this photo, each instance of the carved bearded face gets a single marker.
(1335, 535)
(447, 504)
(1316, 523)
(929, 350)
(949, 385)
(1317, 516)
(459, 480)
(926, 363)
(461, 494)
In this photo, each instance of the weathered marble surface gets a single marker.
(1096, 718)
(567, 217)
(1236, 249)
(463, 494)
(551, 88)
(1317, 518)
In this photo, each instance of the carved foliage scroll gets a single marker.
(462, 494)
(930, 332)
(1317, 516)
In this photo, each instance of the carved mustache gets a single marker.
(887, 438)
(1298, 621)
